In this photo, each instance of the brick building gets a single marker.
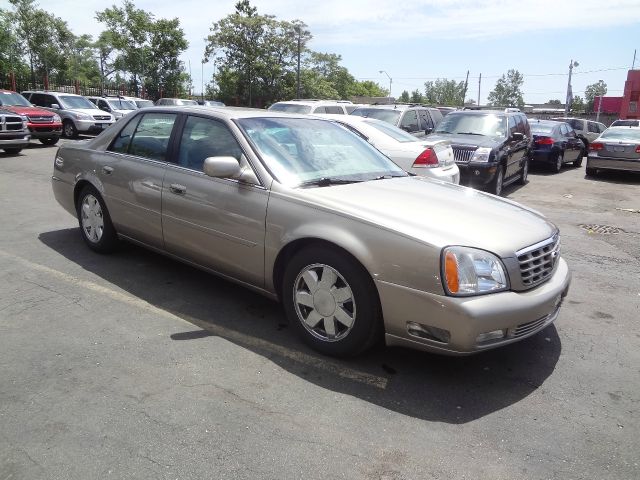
(631, 97)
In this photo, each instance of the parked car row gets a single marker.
(354, 247)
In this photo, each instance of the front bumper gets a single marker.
(45, 131)
(16, 140)
(449, 174)
(606, 163)
(518, 314)
(91, 126)
(477, 174)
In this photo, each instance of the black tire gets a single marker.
(524, 173)
(497, 183)
(578, 163)
(105, 241)
(591, 172)
(69, 130)
(49, 141)
(13, 150)
(363, 308)
(559, 160)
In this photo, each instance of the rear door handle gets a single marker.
(178, 189)
(107, 170)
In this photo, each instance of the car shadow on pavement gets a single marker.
(614, 176)
(417, 384)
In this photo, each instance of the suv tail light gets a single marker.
(427, 159)
(544, 141)
(596, 146)
(638, 149)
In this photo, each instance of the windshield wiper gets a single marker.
(442, 131)
(471, 133)
(385, 177)
(327, 181)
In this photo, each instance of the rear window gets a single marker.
(621, 134)
(537, 128)
(386, 115)
(626, 123)
(290, 108)
(392, 131)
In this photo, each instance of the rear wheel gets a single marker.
(578, 163)
(559, 161)
(331, 301)
(591, 172)
(95, 222)
(525, 172)
(49, 141)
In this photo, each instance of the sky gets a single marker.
(418, 40)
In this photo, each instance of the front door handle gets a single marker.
(178, 189)
(107, 170)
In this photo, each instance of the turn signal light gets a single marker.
(428, 159)
(596, 146)
(544, 141)
(638, 149)
(451, 272)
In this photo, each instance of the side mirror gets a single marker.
(56, 106)
(221, 167)
(517, 136)
(428, 130)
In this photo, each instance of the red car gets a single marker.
(43, 124)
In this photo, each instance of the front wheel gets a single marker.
(331, 301)
(95, 222)
(69, 129)
(498, 181)
(49, 141)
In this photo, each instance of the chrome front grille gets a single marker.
(538, 261)
(36, 119)
(525, 328)
(101, 117)
(463, 154)
(11, 123)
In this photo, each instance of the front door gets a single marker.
(217, 223)
(132, 170)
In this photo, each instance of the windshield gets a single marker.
(300, 150)
(290, 108)
(120, 104)
(384, 114)
(69, 101)
(632, 134)
(144, 103)
(487, 125)
(626, 123)
(391, 131)
(13, 99)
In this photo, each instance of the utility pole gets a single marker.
(599, 109)
(298, 93)
(466, 84)
(479, 84)
(390, 82)
(569, 98)
(633, 65)
(202, 82)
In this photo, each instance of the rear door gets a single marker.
(132, 170)
(409, 123)
(593, 131)
(218, 223)
(574, 146)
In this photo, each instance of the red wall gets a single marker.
(609, 104)
(630, 107)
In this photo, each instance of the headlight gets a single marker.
(57, 119)
(481, 154)
(25, 121)
(469, 271)
(82, 116)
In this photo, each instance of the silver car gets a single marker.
(304, 211)
(618, 148)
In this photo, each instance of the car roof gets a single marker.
(483, 112)
(227, 112)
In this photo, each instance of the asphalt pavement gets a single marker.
(132, 365)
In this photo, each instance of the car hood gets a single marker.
(474, 140)
(438, 213)
(28, 111)
(88, 111)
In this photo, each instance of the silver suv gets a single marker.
(331, 107)
(418, 120)
(78, 114)
(587, 130)
(116, 106)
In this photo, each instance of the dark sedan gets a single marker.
(555, 143)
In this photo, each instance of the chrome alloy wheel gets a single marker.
(92, 218)
(324, 302)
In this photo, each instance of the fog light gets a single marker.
(427, 331)
(477, 172)
(488, 336)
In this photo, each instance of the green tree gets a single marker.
(404, 97)
(592, 91)
(578, 105)
(508, 91)
(444, 92)
(259, 50)
(417, 97)
(554, 102)
(369, 88)
(10, 47)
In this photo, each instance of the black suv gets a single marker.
(490, 147)
(418, 120)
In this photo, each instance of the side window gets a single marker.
(203, 138)
(92, 100)
(436, 116)
(334, 110)
(576, 124)
(151, 136)
(319, 110)
(564, 129)
(602, 127)
(102, 105)
(410, 121)
(121, 143)
(519, 124)
(527, 127)
(593, 127)
(512, 126)
(425, 119)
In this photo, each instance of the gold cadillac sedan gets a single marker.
(304, 211)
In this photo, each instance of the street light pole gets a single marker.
(569, 97)
(390, 82)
